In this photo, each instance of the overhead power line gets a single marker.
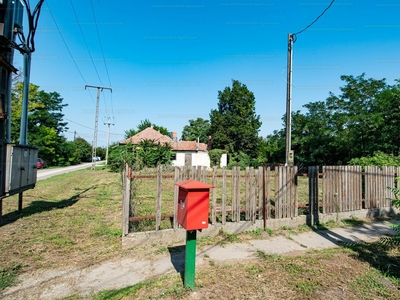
(104, 59)
(65, 43)
(312, 23)
(84, 39)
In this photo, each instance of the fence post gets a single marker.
(247, 194)
(238, 207)
(126, 199)
(313, 194)
(233, 192)
(260, 191)
(252, 196)
(158, 200)
(176, 195)
(214, 197)
(223, 196)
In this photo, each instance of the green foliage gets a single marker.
(394, 241)
(145, 154)
(145, 124)
(45, 123)
(242, 160)
(379, 159)
(234, 125)
(118, 156)
(215, 156)
(8, 276)
(197, 129)
(363, 119)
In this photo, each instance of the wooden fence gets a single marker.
(254, 194)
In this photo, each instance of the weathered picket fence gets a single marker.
(251, 194)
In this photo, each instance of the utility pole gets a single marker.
(96, 122)
(289, 152)
(108, 137)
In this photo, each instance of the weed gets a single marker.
(228, 238)
(352, 222)
(8, 276)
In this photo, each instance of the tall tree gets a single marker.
(234, 125)
(45, 122)
(197, 129)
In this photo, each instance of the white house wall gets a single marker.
(198, 159)
(201, 159)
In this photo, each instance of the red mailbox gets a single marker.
(193, 200)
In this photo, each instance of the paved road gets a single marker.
(47, 173)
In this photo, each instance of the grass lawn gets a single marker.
(74, 220)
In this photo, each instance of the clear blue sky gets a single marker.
(167, 60)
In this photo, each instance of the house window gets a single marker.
(173, 157)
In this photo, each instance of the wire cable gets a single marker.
(84, 39)
(65, 43)
(104, 59)
(101, 45)
(312, 23)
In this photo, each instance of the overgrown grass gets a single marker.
(67, 220)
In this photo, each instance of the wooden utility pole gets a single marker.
(289, 101)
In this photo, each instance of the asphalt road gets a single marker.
(47, 173)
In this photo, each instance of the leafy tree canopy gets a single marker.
(197, 129)
(363, 121)
(234, 125)
(45, 122)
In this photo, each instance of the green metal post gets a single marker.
(190, 258)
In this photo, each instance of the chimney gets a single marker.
(174, 136)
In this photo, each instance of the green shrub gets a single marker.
(242, 160)
(379, 159)
(394, 241)
(215, 156)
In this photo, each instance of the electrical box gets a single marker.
(291, 158)
(193, 204)
(21, 169)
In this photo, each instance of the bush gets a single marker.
(215, 156)
(241, 160)
(394, 241)
(379, 159)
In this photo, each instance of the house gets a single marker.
(189, 153)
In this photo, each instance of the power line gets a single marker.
(84, 39)
(312, 23)
(104, 59)
(65, 43)
(69, 51)
(101, 46)
(69, 120)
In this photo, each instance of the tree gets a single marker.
(197, 129)
(45, 122)
(234, 125)
(363, 120)
(147, 153)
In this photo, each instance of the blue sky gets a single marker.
(167, 60)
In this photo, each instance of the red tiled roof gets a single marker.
(152, 134)
(147, 134)
(188, 146)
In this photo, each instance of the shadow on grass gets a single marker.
(178, 259)
(40, 206)
(381, 257)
